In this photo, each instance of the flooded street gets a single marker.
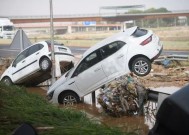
(137, 124)
(126, 123)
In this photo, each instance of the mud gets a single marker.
(177, 76)
(37, 90)
(125, 123)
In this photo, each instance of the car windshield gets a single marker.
(8, 28)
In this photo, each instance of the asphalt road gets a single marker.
(6, 52)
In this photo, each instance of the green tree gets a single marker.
(150, 10)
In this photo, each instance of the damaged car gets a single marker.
(132, 50)
(33, 65)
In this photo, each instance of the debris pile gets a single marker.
(123, 96)
(160, 76)
(4, 63)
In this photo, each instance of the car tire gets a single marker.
(141, 66)
(7, 81)
(69, 99)
(45, 64)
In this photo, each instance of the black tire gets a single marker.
(7, 81)
(69, 99)
(45, 64)
(141, 66)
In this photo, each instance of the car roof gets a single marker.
(122, 36)
(41, 42)
(47, 42)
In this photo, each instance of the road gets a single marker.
(6, 52)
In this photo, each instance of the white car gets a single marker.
(32, 66)
(132, 50)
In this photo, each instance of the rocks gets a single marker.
(123, 96)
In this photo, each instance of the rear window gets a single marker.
(62, 49)
(139, 32)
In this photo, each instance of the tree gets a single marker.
(151, 10)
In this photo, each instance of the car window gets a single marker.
(111, 48)
(139, 32)
(34, 49)
(40, 46)
(8, 28)
(21, 56)
(88, 62)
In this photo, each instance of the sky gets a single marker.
(66, 7)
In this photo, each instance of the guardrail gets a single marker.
(173, 57)
(167, 60)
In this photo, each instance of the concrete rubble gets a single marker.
(124, 96)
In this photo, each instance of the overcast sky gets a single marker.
(61, 7)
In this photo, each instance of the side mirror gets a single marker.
(13, 64)
(75, 74)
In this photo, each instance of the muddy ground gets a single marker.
(163, 77)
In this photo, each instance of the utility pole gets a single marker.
(52, 43)
(21, 40)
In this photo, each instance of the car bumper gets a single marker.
(156, 56)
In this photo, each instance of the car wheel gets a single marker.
(141, 66)
(7, 81)
(45, 64)
(69, 99)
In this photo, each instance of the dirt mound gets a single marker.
(4, 64)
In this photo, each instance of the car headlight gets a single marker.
(50, 95)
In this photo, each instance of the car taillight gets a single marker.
(148, 40)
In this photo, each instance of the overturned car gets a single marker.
(33, 65)
(131, 50)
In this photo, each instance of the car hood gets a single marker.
(59, 82)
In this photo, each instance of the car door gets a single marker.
(26, 63)
(31, 61)
(114, 58)
(89, 73)
(18, 66)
